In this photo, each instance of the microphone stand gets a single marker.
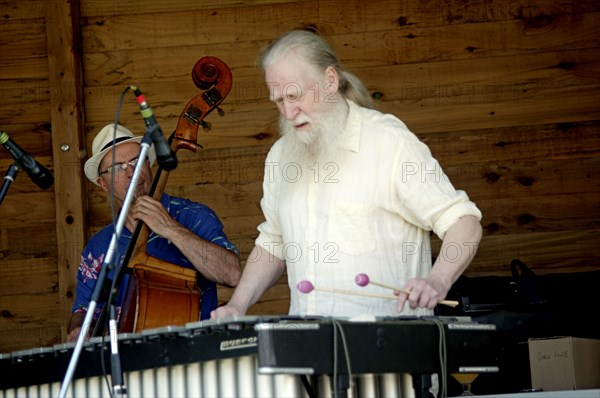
(105, 268)
(11, 175)
(119, 389)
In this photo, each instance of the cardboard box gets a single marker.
(564, 363)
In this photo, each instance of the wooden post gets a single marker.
(68, 143)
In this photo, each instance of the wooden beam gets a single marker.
(68, 143)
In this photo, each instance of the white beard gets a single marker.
(318, 143)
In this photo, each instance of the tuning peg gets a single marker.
(205, 125)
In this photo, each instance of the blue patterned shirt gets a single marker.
(196, 217)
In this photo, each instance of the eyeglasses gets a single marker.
(118, 167)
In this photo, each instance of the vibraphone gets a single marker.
(263, 357)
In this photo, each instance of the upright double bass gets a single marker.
(161, 293)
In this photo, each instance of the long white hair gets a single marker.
(317, 51)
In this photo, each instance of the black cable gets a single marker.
(100, 326)
(337, 326)
(335, 362)
(307, 387)
(443, 357)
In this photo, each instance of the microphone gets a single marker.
(39, 174)
(164, 154)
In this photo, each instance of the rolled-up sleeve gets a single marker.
(270, 235)
(426, 197)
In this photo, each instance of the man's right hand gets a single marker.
(75, 324)
(73, 335)
(226, 311)
(260, 273)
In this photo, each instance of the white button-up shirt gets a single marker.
(369, 209)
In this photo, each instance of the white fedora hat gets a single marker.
(104, 143)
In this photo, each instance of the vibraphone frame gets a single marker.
(264, 356)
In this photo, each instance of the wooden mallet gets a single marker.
(363, 280)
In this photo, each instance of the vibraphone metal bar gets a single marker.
(231, 377)
(223, 359)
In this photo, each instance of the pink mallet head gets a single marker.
(361, 279)
(305, 286)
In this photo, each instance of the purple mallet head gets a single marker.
(305, 286)
(362, 279)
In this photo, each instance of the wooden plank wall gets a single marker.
(506, 94)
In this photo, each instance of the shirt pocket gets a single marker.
(352, 227)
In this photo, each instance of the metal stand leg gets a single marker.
(422, 384)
